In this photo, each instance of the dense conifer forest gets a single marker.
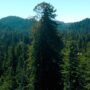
(41, 53)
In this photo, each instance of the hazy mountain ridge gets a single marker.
(21, 24)
(16, 23)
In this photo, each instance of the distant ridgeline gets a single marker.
(20, 24)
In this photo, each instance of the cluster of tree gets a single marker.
(51, 58)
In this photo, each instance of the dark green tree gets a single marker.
(45, 51)
(21, 53)
(74, 74)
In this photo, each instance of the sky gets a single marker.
(67, 10)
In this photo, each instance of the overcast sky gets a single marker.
(67, 10)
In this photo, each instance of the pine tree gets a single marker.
(45, 51)
(74, 75)
(21, 55)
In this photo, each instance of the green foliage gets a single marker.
(36, 61)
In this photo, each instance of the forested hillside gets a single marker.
(45, 54)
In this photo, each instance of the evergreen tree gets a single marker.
(21, 53)
(74, 75)
(46, 58)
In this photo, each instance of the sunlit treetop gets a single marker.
(45, 9)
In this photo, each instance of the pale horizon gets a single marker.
(67, 10)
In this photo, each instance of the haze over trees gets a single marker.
(44, 54)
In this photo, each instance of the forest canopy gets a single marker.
(46, 54)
